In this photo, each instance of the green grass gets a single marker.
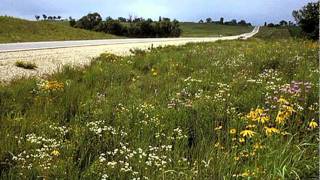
(268, 33)
(19, 30)
(167, 114)
(204, 30)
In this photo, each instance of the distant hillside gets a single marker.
(190, 29)
(19, 30)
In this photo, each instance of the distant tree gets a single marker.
(122, 19)
(242, 22)
(221, 20)
(160, 19)
(37, 17)
(201, 21)
(109, 18)
(89, 21)
(72, 21)
(54, 17)
(233, 22)
(209, 20)
(59, 17)
(50, 17)
(44, 16)
(265, 23)
(271, 25)
(283, 23)
(308, 19)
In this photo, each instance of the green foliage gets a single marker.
(138, 27)
(19, 30)
(89, 21)
(308, 19)
(167, 114)
(26, 65)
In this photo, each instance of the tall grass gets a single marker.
(172, 113)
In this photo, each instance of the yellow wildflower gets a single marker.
(242, 140)
(55, 153)
(233, 131)
(313, 124)
(251, 126)
(258, 115)
(283, 101)
(281, 117)
(257, 146)
(247, 133)
(272, 130)
(154, 73)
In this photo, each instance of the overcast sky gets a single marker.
(255, 11)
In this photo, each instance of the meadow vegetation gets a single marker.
(224, 110)
(20, 30)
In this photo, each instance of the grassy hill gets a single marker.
(191, 29)
(19, 30)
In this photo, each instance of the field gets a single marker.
(205, 30)
(224, 110)
(19, 30)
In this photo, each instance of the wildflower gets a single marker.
(154, 73)
(247, 133)
(283, 101)
(258, 115)
(242, 140)
(236, 158)
(281, 117)
(233, 131)
(250, 126)
(313, 124)
(272, 130)
(55, 153)
(257, 146)
(218, 128)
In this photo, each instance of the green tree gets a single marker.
(89, 21)
(308, 19)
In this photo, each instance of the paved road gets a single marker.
(50, 57)
(11, 47)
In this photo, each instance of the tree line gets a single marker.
(222, 22)
(307, 18)
(45, 17)
(131, 27)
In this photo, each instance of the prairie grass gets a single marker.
(20, 30)
(224, 110)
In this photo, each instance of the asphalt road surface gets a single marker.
(10, 47)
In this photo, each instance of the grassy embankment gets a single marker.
(207, 30)
(200, 111)
(19, 30)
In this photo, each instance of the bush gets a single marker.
(89, 21)
(139, 27)
(308, 19)
(26, 65)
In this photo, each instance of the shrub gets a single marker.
(308, 20)
(26, 65)
(89, 21)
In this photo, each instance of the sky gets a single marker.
(254, 11)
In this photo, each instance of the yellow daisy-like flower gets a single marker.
(247, 133)
(313, 124)
(272, 130)
(55, 153)
(281, 117)
(154, 73)
(258, 115)
(218, 128)
(251, 126)
(242, 140)
(283, 101)
(233, 131)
